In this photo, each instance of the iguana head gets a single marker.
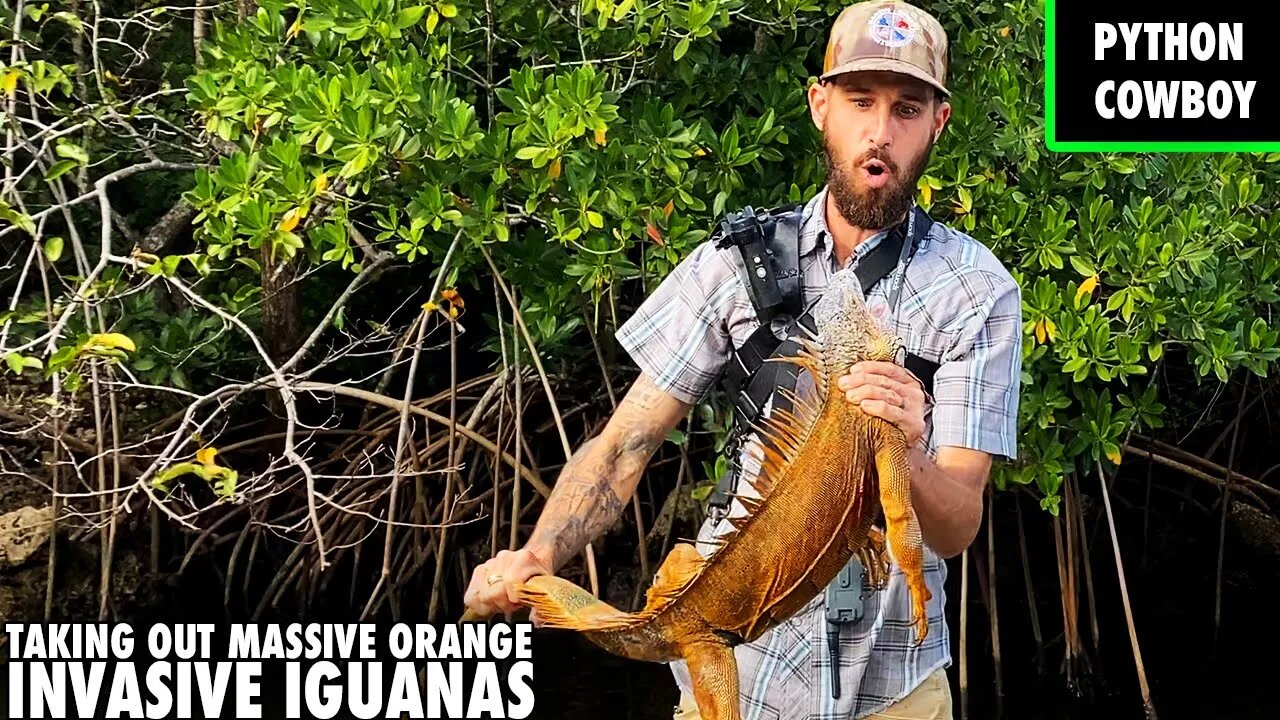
(847, 332)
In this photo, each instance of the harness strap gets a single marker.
(775, 333)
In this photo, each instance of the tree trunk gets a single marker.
(281, 322)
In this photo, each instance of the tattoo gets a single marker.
(644, 395)
(585, 501)
(581, 506)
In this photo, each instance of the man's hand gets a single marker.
(493, 584)
(890, 392)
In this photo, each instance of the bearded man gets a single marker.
(880, 105)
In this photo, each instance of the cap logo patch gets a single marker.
(891, 28)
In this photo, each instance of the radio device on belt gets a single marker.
(768, 246)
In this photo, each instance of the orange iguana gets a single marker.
(828, 470)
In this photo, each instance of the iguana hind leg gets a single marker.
(714, 672)
(903, 527)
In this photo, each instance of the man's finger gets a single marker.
(883, 410)
(872, 392)
(886, 369)
(511, 586)
(497, 598)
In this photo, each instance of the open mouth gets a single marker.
(877, 173)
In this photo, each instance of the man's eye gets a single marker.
(910, 111)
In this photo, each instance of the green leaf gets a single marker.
(682, 47)
(1123, 165)
(68, 149)
(111, 341)
(1082, 266)
(53, 249)
(69, 18)
(409, 16)
(1074, 364)
(60, 168)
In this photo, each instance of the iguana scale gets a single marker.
(828, 471)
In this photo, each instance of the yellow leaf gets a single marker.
(9, 82)
(699, 152)
(321, 183)
(553, 171)
(296, 27)
(1040, 331)
(205, 456)
(433, 19)
(448, 10)
(670, 206)
(429, 306)
(1050, 329)
(1087, 286)
(290, 220)
(113, 341)
(926, 193)
(1004, 31)
(1114, 457)
(600, 136)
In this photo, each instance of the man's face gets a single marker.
(878, 129)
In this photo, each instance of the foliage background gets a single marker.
(416, 162)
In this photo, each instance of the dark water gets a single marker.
(575, 679)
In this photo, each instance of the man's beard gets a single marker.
(874, 208)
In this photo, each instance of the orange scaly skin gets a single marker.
(829, 470)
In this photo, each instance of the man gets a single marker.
(880, 105)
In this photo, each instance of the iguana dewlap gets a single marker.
(828, 471)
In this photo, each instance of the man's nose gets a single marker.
(881, 131)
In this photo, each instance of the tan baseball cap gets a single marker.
(887, 35)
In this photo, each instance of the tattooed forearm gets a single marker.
(582, 505)
(595, 485)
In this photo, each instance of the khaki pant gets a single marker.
(931, 700)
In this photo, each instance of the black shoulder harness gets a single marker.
(768, 242)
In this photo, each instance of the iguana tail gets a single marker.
(560, 603)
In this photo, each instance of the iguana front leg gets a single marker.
(714, 672)
(903, 527)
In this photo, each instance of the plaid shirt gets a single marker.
(959, 307)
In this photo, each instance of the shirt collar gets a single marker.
(817, 236)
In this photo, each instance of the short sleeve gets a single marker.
(976, 387)
(679, 336)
